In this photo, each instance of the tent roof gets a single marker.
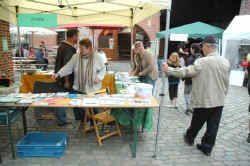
(194, 30)
(238, 29)
(36, 30)
(117, 12)
(91, 26)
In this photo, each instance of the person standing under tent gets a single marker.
(189, 60)
(88, 68)
(173, 82)
(64, 53)
(145, 64)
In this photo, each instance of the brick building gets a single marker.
(50, 40)
(145, 31)
(120, 50)
(6, 63)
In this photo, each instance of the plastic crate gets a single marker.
(3, 116)
(42, 144)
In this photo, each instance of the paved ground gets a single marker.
(231, 148)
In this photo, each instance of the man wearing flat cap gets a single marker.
(210, 78)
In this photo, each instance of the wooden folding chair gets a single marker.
(103, 118)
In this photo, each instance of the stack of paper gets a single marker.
(90, 101)
(139, 101)
(111, 100)
(62, 94)
(75, 102)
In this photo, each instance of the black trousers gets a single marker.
(210, 116)
(173, 91)
(79, 113)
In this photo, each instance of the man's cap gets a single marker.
(210, 39)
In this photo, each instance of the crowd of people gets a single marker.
(40, 55)
(204, 72)
(206, 81)
(210, 82)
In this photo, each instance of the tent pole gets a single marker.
(19, 38)
(18, 31)
(132, 38)
(220, 46)
(167, 34)
(162, 93)
(93, 33)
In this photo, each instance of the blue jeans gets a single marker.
(159, 62)
(148, 80)
(61, 115)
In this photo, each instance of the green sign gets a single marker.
(37, 20)
(5, 44)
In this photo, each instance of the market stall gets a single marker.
(135, 105)
(193, 30)
(126, 13)
(237, 34)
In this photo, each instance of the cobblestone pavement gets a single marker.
(231, 148)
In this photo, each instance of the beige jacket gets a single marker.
(149, 65)
(210, 80)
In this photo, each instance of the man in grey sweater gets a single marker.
(210, 78)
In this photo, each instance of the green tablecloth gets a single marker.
(143, 117)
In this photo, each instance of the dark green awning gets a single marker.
(194, 30)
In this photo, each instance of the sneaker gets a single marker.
(203, 150)
(248, 138)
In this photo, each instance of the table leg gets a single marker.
(134, 130)
(144, 119)
(10, 136)
(24, 120)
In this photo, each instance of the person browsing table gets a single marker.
(89, 70)
(145, 64)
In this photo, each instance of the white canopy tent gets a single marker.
(236, 34)
(122, 12)
(119, 12)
